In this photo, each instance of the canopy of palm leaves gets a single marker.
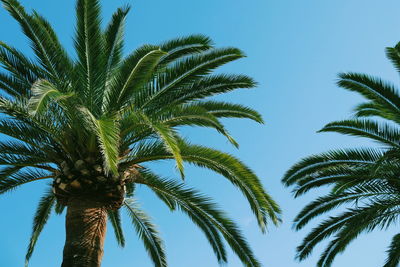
(90, 123)
(365, 181)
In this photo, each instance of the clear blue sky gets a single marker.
(295, 49)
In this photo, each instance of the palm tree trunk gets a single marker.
(85, 233)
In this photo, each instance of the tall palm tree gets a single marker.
(89, 125)
(364, 182)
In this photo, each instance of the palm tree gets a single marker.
(90, 125)
(364, 182)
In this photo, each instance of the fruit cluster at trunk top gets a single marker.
(87, 179)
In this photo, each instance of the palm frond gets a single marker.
(135, 70)
(331, 201)
(228, 110)
(187, 71)
(115, 218)
(63, 65)
(393, 258)
(205, 214)
(6, 171)
(393, 53)
(373, 89)
(42, 45)
(19, 178)
(113, 36)
(42, 215)
(332, 159)
(383, 133)
(184, 46)
(43, 93)
(234, 170)
(147, 232)
(194, 115)
(166, 134)
(107, 132)
(332, 176)
(12, 86)
(360, 219)
(130, 189)
(204, 87)
(59, 208)
(22, 149)
(89, 44)
(27, 134)
(361, 222)
(372, 109)
(191, 202)
(19, 66)
(140, 74)
(19, 112)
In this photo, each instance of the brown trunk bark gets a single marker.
(85, 225)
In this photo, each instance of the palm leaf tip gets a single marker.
(125, 9)
(195, 41)
(393, 252)
(184, 46)
(393, 53)
(115, 219)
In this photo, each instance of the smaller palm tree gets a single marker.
(365, 180)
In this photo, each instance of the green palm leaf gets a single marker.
(113, 36)
(373, 89)
(115, 218)
(147, 232)
(393, 252)
(89, 45)
(195, 115)
(381, 132)
(44, 92)
(393, 53)
(190, 69)
(313, 164)
(107, 132)
(21, 67)
(184, 46)
(17, 179)
(42, 215)
(205, 214)
(139, 75)
(228, 110)
(33, 29)
(228, 166)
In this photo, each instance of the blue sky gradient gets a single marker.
(295, 49)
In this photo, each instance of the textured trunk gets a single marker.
(85, 233)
